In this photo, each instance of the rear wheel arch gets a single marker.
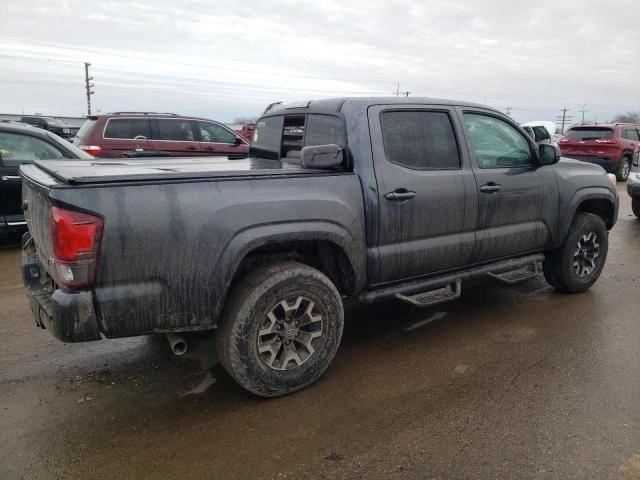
(325, 256)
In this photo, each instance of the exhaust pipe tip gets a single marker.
(177, 344)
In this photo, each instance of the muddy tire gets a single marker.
(280, 328)
(635, 206)
(578, 262)
(623, 169)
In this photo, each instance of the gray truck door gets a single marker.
(518, 203)
(427, 195)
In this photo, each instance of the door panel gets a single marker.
(176, 136)
(518, 203)
(426, 189)
(16, 149)
(10, 192)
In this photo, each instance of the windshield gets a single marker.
(590, 133)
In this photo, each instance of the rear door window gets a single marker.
(630, 134)
(176, 130)
(16, 149)
(590, 133)
(127, 128)
(420, 140)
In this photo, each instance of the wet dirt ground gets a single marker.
(507, 382)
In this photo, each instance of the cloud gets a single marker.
(222, 59)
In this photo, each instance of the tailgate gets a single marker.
(589, 147)
(36, 205)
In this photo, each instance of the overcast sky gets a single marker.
(228, 59)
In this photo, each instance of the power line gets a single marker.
(185, 64)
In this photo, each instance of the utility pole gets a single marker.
(583, 112)
(509, 109)
(564, 119)
(88, 86)
(398, 92)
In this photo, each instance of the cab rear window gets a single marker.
(590, 133)
(285, 135)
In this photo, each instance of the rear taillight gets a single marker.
(94, 150)
(76, 239)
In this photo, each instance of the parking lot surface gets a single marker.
(507, 382)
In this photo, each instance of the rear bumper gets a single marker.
(68, 315)
(609, 164)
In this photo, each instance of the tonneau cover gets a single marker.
(111, 170)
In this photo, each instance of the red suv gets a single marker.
(610, 146)
(132, 134)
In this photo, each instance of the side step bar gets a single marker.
(434, 290)
(433, 297)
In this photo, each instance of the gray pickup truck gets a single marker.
(371, 198)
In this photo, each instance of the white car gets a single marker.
(543, 131)
(633, 183)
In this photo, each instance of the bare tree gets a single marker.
(629, 117)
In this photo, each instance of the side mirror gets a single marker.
(548, 154)
(321, 156)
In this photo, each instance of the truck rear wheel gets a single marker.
(280, 328)
(578, 262)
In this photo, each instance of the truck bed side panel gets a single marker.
(169, 250)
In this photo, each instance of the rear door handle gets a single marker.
(191, 147)
(490, 187)
(400, 195)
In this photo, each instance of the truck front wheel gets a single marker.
(623, 169)
(578, 262)
(280, 328)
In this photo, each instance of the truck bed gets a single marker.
(131, 170)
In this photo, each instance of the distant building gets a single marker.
(73, 121)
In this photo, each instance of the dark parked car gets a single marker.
(610, 146)
(20, 144)
(129, 134)
(60, 128)
(371, 198)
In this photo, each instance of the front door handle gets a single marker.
(490, 187)
(191, 147)
(6, 178)
(400, 195)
